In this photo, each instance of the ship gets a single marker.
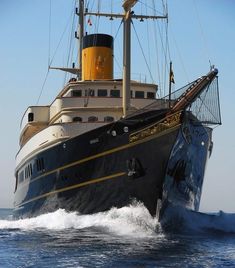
(108, 142)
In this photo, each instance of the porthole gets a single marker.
(108, 119)
(77, 119)
(92, 119)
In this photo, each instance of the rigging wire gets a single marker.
(164, 60)
(98, 17)
(70, 54)
(143, 53)
(148, 37)
(157, 61)
(111, 18)
(167, 61)
(43, 85)
(51, 59)
(49, 35)
(115, 37)
(180, 56)
(206, 50)
(61, 38)
(153, 8)
(49, 51)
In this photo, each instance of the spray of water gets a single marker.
(133, 220)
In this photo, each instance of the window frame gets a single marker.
(138, 92)
(115, 96)
(102, 90)
(153, 95)
(94, 117)
(75, 95)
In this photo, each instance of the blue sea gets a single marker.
(125, 237)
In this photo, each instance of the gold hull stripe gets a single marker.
(123, 147)
(74, 187)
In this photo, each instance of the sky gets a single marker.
(200, 31)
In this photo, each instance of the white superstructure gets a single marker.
(80, 107)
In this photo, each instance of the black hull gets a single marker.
(103, 169)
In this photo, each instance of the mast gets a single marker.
(127, 5)
(127, 19)
(170, 83)
(81, 34)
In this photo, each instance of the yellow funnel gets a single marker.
(97, 57)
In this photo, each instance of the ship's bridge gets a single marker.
(87, 98)
(88, 102)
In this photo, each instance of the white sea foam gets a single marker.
(133, 220)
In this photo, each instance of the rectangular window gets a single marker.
(92, 119)
(150, 95)
(30, 117)
(21, 176)
(31, 170)
(102, 92)
(40, 164)
(139, 94)
(115, 93)
(90, 92)
(76, 93)
(108, 119)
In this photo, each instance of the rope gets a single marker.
(49, 37)
(165, 49)
(49, 51)
(180, 57)
(143, 53)
(70, 43)
(150, 7)
(206, 50)
(148, 38)
(61, 38)
(43, 85)
(119, 66)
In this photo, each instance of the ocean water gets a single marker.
(125, 237)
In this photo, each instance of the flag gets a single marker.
(89, 22)
(172, 79)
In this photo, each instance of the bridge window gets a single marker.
(139, 94)
(77, 119)
(92, 119)
(30, 117)
(77, 93)
(40, 164)
(108, 119)
(150, 95)
(90, 92)
(21, 176)
(115, 93)
(28, 171)
(102, 92)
